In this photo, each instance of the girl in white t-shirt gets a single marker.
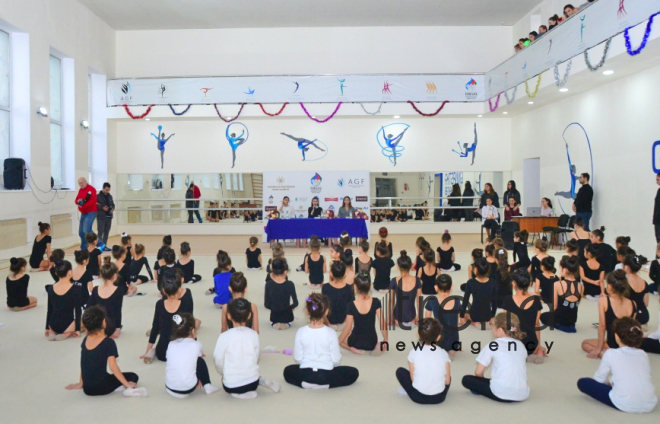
(427, 382)
(629, 387)
(508, 382)
(186, 369)
(286, 210)
(237, 354)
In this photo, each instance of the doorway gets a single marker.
(385, 187)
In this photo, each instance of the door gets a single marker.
(385, 187)
(531, 190)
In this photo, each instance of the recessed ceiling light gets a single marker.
(608, 72)
(147, 119)
(530, 103)
(479, 116)
(563, 90)
(314, 117)
(396, 117)
(229, 117)
(506, 113)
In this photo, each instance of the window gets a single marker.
(56, 156)
(205, 181)
(135, 182)
(90, 166)
(216, 181)
(157, 181)
(176, 182)
(4, 96)
(234, 182)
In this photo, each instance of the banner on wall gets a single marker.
(329, 186)
(281, 89)
(448, 180)
(584, 30)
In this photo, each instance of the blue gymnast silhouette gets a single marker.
(573, 171)
(303, 144)
(161, 144)
(235, 141)
(471, 149)
(391, 142)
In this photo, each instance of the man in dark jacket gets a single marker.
(656, 211)
(191, 204)
(583, 199)
(105, 207)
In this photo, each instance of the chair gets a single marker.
(564, 226)
(499, 221)
(507, 231)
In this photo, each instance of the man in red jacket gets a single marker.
(86, 201)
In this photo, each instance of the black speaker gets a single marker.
(15, 174)
(508, 228)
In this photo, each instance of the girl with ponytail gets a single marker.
(41, 247)
(17, 286)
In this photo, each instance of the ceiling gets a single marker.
(206, 14)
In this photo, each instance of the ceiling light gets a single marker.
(147, 119)
(396, 117)
(42, 111)
(479, 116)
(505, 113)
(563, 90)
(84, 124)
(608, 72)
(314, 117)
(530, 103)
(229, 117)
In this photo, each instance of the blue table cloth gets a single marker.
(281, 229)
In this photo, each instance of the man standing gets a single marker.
(656, 211)
(86, 201)
(583, 199)
(105, 208)
(193, 205)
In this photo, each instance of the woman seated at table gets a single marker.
(489, 217)
(511, 210)
(315, 210)
(286, 210)
(546, 207)
(347, 210)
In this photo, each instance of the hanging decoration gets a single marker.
(562, 82)
(179, 113)
(428, 114)
(647, 33)
(536, 90)
(229, 120)
(513, 98)
(272, 114)
(318, 120)
(602, 60)
(497, 103)
(128, 111)
(370, 113)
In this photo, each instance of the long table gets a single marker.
(282, 229)
(535, 224)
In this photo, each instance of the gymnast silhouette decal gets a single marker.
(572, 169)
(303, 145)
(465, 150)
(389, 137)
(236, 140)
(161, 144)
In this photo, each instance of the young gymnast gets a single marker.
(253, 254)
(119, 254)
(137, 264)
(404, 294)
(446, 309)
(639, 288)
(98, 353)
(167, 261)
(359, 335)
(17, 286)
(528, 310)
(654, 272)
(382, 232)
(167, 243)
(484, 296)
(221, 282)
(94, 264)
(382, 266)
(572, 248)
(55, 256)
(316, 350)
(501, 276)
(339, 295)
(541, 249)
(592, 274)
(280, 296)
(81, 277)
(606, 253)
(623, 379)
(508, 382)
(363, 261)
(615, 305)
(236, 354)
(545, 281)
(581, 236)
(110, 296)
(187, 265)
(428, 379)
(345, 240)
(186, 369)
(567, 294)
(315, 263)
(238, 287)
(471, 270)
(336, 250)
(64, 309)
(278, 253)
(217, 270)
(421, 245)
(41, 247)
(520, 253)
(127, 243)
(428, 272)
(446, 255)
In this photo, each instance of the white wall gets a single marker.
(67, 26)
(622, 123)
(299, 51)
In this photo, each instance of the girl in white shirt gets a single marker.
(508, 382)
(286, 210)
(237, 354)
(489, 217)
(629, 388)
(316, 350)
(186, 369)
(427, 382)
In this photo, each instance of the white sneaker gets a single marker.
(311, 386)
(210, 389)
(245, 396)
(137, 392)
(401, 391)
(272, 385)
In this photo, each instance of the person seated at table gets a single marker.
(489, 217)
(286, 210)
(511, 210)
(347, 210)
(315, 211)
(546, 207)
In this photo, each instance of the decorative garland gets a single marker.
(562, 82)
(428, 114)
(497, 103)
(536, 90)
(128, 111)
(647, 33)
(622, 9)
(272, 114)
(511, 100)
(229, 120)
(602, 60)
(369, 113)
(318, 120)
(180, 113)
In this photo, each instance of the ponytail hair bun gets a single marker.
(17, 264)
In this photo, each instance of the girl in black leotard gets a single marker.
(17, 286)
(81, 276)
(111, 297)
(472, 272)
(64, 310)
(187, 265)
(639, 289)
(581, 236)
(520, 253)
(567, 293)
(545, 281)
(428, 272)
(136, 266)
(119, 254)
(40, 247)
(446, 255)
(615, 305)
(528, 310)
(541, 249)
(592, 274)
(315, 263)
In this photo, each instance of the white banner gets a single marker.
(309, 89)
(589, 27)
